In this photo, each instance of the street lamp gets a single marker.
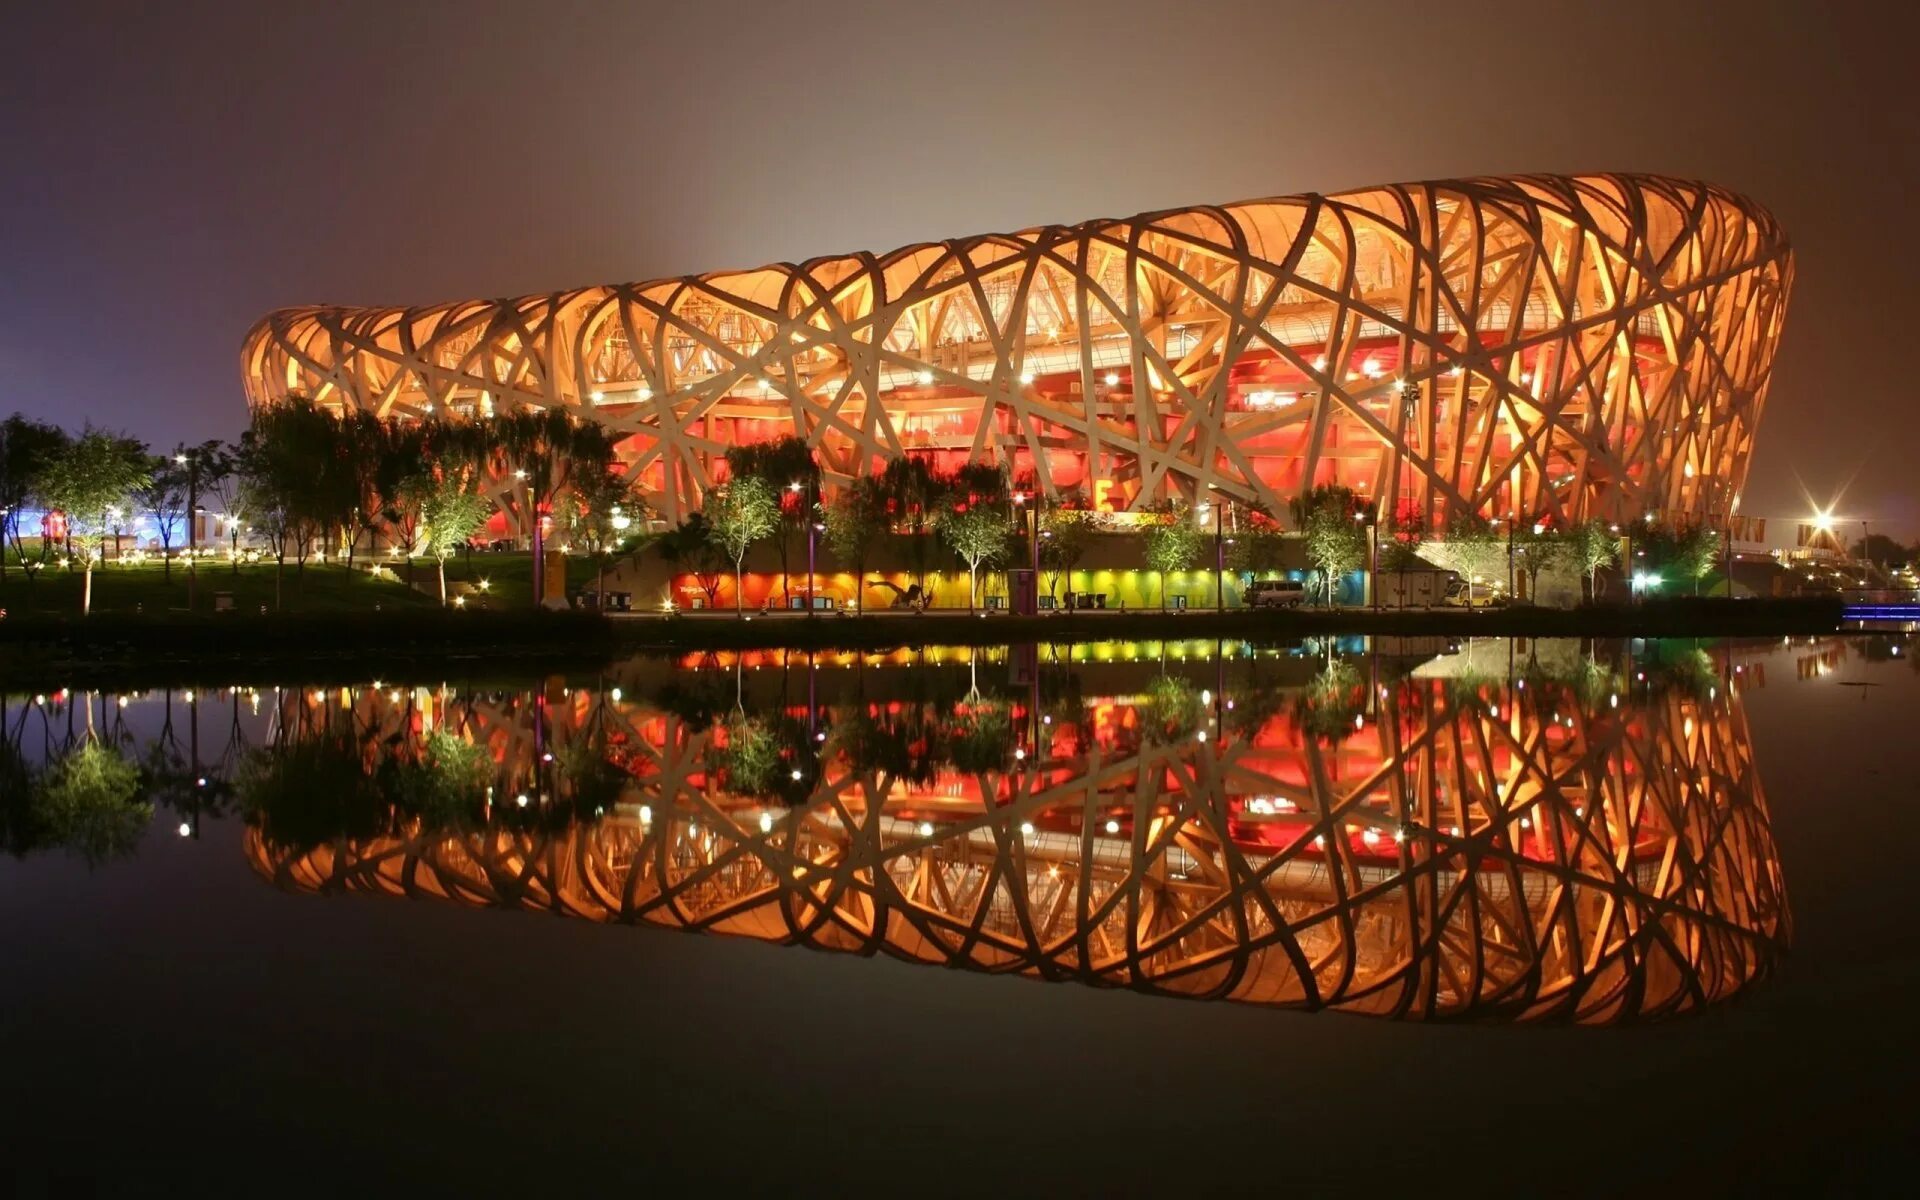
(814, 529)
(1219, 551)
(1033, 541)
(191, 461)
(1509, 523)
(1371, 520)
(796, 487)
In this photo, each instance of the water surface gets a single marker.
(468, 930)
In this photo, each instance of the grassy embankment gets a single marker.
(330, 615)
(147, 589)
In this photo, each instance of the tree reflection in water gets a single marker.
(80, 794)
(88, 802)
(1584, 840)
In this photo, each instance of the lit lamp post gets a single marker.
(813, 531)
(1219, 552)
(192, 463)
(621, 522)
(1628, 559)
(807, 506)
(1509, 523)
(1642, 580)
(1033, 540)
(1370, 519)
(794, 489)
(1045, 533)
(520, 476)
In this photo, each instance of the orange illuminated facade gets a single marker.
(1553, 348)
(1425, 849)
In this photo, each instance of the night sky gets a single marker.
(172, 171)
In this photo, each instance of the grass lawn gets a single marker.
(144, 588)
(508, 575)
(321, 588)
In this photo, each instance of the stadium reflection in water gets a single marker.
(1564, 837)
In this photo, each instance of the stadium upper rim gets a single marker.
(1534, 186)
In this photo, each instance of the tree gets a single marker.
(451, 510)
(545, 451)
(753, 756)
(204, 467)
(26, 447)
(265, 494)
(1258, 548)
(1539, 551)
(912, 489)
(444, 783)
(311, 791)
(857, 516)
(364, 440)
(164, 495)
(322, 463)
(1883, 551)
(1329, 496)
(1674, 554)
(89, 802)
(1065, 534)
(223, 481)
(1699, 555)
(787, 465)
(1472, 550)
(1172, 544)
(1170, 710)
(91, 477)
(1400, 551)
(1335, 543)
(1326, 708)
(742, 513)
(412, 459)
(604, 508)
(980, 737)
(692, 547)
(973, 520)
(291, 468)
(980, 536)
(1593, 545)
(405, 479)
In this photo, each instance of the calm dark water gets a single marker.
(1111, 918)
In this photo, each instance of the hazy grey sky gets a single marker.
(173, 170)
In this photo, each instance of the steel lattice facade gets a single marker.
(1553, 348)
(1472, 853)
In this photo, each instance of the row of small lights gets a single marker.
(925, 377)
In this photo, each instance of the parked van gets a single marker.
(1276, 593)
(1460, 596)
